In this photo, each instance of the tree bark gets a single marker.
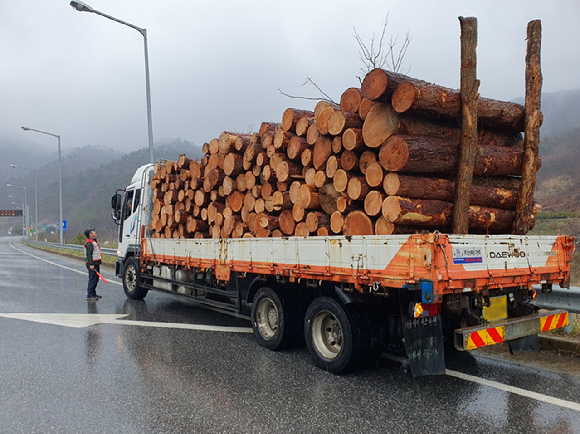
(533, 118)
(468, 145)
(327, 197)
(419, 187)
(435, 213)
(382, 122)
(430, 155)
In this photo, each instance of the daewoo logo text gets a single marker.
(506, 255)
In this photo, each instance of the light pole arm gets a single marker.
(139, 29)
(86, 8)
(42, 132)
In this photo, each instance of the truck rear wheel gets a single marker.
(333, 335)
(275, 319)
(131, 281)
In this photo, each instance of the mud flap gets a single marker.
(424, 345)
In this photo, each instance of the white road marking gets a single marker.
(58, 265)
(515, 390)
(86, 320)
(496, 385)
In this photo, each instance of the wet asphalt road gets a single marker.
(121, 378)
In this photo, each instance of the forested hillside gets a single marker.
(87, 185)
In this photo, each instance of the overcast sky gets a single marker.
(217, 65)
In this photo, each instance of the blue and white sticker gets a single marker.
(467, 255)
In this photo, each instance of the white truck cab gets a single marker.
(132, 207)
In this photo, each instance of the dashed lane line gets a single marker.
(497, 385)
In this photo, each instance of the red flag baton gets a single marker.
(101, 277)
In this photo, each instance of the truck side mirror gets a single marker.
(116, 202)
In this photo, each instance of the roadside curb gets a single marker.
(559, 344)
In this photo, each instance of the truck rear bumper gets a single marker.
(471, 338)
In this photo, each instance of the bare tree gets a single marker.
(378, 54)
(323, 96)
(382, 54)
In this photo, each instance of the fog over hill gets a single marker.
(91, 175)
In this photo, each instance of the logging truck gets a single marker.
(351, 297)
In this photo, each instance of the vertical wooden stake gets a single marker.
(468, 146)
(533, 122)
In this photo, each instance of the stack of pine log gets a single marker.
(381, 162)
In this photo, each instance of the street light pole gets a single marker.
(59, 177)
(14, 203)
(25, 212)
(83, 7)
(35, 196)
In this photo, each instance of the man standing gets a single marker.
(93, 262)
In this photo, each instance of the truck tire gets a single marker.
(131, 281)
(276, 320)
(333, 335)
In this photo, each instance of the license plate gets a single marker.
(496, 310)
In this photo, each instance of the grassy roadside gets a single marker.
(77, 254)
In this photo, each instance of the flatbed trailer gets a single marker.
(350, 298)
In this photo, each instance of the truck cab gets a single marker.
(131, 207)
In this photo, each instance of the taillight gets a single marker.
(423, 310)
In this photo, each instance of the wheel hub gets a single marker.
(267, 318)
(327, 335)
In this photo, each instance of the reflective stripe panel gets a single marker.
(554, 321)
(482, 338)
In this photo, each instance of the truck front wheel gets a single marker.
(131, 281)
(333, 335)
(275, 320)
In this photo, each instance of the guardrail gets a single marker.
(559, 298)
(71, 247)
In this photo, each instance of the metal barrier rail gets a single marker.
(559, 298)
(104, 251)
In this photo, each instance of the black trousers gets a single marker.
(93, 280)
